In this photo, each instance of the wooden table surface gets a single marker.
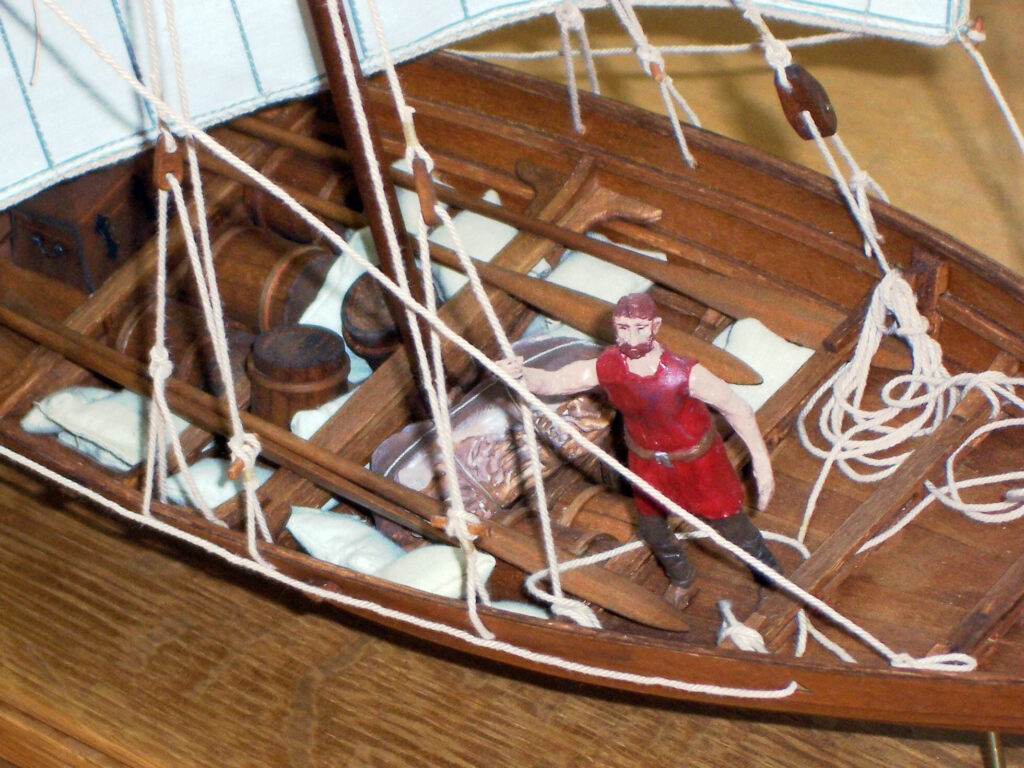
(119, 650)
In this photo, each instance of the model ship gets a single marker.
(744, 244)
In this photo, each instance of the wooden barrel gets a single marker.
(187, 340)
(264, 280)
(366, 323)
(321, 178)
(294, 368)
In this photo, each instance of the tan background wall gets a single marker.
(919, 119)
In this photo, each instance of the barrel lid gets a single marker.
(300, 353)
(365, 317)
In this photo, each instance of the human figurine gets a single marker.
(669, 434)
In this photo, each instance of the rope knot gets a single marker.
(651, 60)
(861, 183)
(160, 366)
(743, 637)
(574, 610)
(915, 325)
(244, 450)
(778, 57)
(457, 526)
(975, 31)
(569, 16)
(416, 152)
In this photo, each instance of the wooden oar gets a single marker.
(347, 479)
(585, 313)
(594, 316)
(793, 315)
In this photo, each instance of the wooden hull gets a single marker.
(750, 218)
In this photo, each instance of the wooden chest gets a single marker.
(82, 230)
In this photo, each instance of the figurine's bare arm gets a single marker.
(567, 380)
(705, 386)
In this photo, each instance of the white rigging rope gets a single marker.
(432, 368)
(338, 598)
(969, 39)
(570, 19)
(459, 518)
(792, 42)
(187, 128)
(653, 64)
(868, 437)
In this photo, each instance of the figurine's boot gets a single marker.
(744, 534)
(669, 551)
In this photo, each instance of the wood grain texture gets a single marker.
(124, 655)
(133, 653)
(918, 119)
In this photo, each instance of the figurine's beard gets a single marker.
(636, 351)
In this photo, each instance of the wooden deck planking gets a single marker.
(829, 562)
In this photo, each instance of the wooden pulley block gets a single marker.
(366, 323)
(806, 94)
(295, 368)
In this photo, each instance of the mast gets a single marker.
(345, 100)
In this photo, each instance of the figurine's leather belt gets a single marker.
(667, 458)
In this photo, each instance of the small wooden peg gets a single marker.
(236, 469)
(656, 72)
(805, 94)
(929, 277)
(425, 192)
(166, 161)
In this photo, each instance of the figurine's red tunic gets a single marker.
(660, 415)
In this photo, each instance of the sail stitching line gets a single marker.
(957, 662)
(25, 97)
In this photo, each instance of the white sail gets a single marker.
(66, 111)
